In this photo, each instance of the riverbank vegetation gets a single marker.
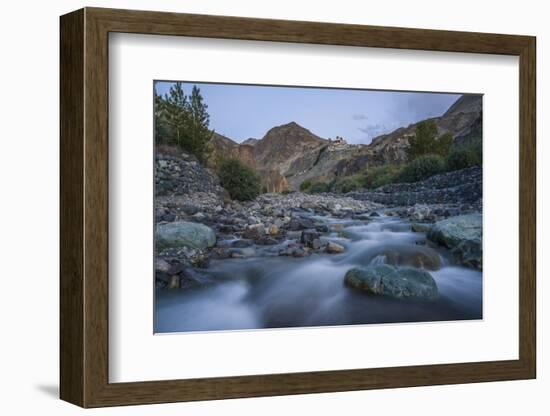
(427, 155)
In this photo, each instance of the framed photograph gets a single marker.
(255, 207)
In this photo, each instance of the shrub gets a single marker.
(475, 148)
(466, 155)
(239, 180)
(458, 159)
(347, 184)
(421, 168)
(444, 144)
(319, 187)
(381, 175)
(305, 185)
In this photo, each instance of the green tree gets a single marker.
(183, 120)
(423, 141)
(162, 132)
(239, 180)
(176, 114)
(426, 142)
(199, 120)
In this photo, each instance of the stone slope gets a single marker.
(461, 186)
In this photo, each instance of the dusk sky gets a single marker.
(243, 111)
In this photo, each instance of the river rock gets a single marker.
(322, 228)
(267, 241)
(405, 255)
(463, 236)
(184, 234)
(254, 232)
(294, 251)
(162, 265)
(395, 282)
(316, 244)
(241, 243)
(273, 229)
(469, 253)
(294, 235)
(297, 224)
(308, 237)
(419, 212)
(241, 252)
(334, 248)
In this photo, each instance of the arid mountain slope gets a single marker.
(462, 119)
(290, 154)
(282, 145)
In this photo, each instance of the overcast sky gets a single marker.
(243, 111)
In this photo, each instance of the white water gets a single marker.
(268, 292)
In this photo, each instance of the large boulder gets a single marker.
(395, 282)
(463, 236)
(184, 234)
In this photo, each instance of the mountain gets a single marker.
(289, 154)
(463, 120)
(284, 144)
(251, 141)
(223, 147)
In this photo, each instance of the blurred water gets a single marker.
(274, 292)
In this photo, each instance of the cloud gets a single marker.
(359, 117)
(375, 130)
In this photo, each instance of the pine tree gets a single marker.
(162, 132)
(176, 114)
(199, 131)
(183, 121)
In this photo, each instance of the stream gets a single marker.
(272, 291)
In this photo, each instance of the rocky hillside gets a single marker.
(282, 145)
(462, 120)
(458, 187)
(290, 154)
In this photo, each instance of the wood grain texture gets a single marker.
(71, 100)
(84, 207)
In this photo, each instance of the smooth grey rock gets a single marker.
(395, 282)
(463, 235)
(184, 234)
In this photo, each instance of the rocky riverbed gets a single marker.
(308, 259)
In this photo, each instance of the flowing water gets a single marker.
(270, 291)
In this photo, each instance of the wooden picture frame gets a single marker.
(84, 207)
